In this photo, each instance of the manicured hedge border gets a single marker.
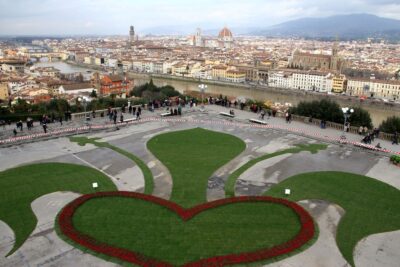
(305, 234)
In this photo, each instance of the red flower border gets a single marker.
(305, 234)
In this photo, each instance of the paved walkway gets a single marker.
(329, 134)
(303, 127)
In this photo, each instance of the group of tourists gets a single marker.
(112, 114)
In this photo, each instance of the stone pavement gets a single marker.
(301, 126)
(45, 248)
(296, 127)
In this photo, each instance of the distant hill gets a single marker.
(354, 26)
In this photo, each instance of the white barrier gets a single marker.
(197, 121)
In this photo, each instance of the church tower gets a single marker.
(132, 34)
(335, 57)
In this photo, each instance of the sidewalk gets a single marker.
(308, 129)
(241, 119)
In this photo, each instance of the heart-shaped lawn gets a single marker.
(150, 231)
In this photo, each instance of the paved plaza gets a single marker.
(45, 248)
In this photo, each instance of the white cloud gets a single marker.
(113, 17)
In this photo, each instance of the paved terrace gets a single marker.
(241, 119)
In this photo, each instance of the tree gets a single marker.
(21, 106)
(93, 94)
(324, 110)
(331, 111)
(390, 125)
(361, 117)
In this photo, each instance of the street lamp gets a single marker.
(202, 87)
(346, 113)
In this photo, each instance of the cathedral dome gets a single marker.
(225, 32)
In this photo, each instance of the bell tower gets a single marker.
(132, 34)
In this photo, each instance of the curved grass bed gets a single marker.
(148, 176)
(20, 186)
(231, 182)
(192, 156)
(238, 230)
(371, 206)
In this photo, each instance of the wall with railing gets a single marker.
(83, 115)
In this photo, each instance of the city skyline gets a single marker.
(104, 17)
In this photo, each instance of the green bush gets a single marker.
(361, 117)
(395, 159)
(150, 92)
(391, 125)
(22, 117)
(331, 111)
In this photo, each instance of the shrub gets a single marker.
(331, 111)
(395, 159)
(391, 125)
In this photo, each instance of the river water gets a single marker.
(378, 112)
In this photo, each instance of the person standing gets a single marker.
(262, 114)
(395, 139)
(44, 127)
(365, 131)
(360, 130)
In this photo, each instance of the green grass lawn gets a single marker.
(192, 156)
(371, 206)
(148, 176)
(158, 233)
(20, 186)
(231, 182)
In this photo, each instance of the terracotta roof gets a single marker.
(225, 32)
(116, 78)
(77, 86)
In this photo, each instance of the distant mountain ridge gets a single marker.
(354, 26)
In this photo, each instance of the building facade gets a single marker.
(385, 89)
(225, 38)
(309, 61)
(114, 84)
(236, 76)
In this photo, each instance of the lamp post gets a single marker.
(346, 113)
(202, 87)
(84, 102)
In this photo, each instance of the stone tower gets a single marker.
(335, 57)
(132, 34)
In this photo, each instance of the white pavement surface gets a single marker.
(257, 173)
(324, 252)
(308, 128)
(44, 247)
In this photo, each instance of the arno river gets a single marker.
(379, 112)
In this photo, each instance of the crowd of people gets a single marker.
(174, 106)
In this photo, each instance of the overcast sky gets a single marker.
(114, 16)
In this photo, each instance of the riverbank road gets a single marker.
(296, 126)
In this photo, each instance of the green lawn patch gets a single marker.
(192, 156)
(231, 182)
(20, 186)
(148, 176)
(161, 234)
(371, 206)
